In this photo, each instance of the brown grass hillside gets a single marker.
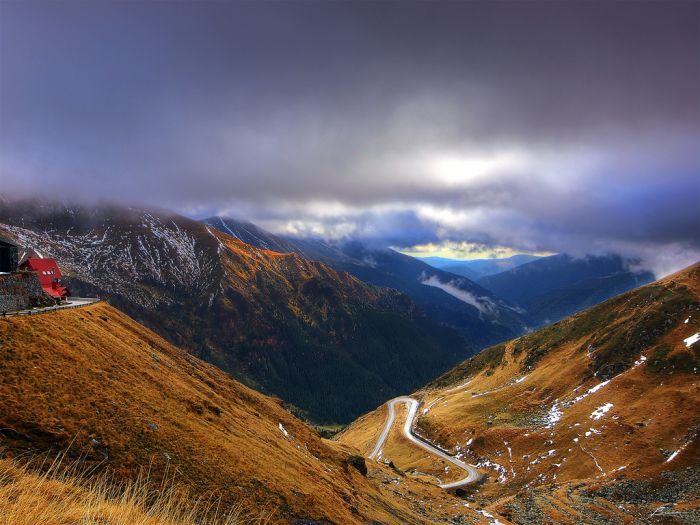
(594, 418)
(120, 399)
(61, 494)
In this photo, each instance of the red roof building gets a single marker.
(49, 276)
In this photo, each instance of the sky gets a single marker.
(455, 127)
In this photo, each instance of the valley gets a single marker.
(591, 420)
(455, 302)
(117, 399)
(566, 424)
(486, 301)
(335, 262)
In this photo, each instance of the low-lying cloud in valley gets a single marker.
(484, 304)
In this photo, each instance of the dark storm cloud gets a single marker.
(552, 125)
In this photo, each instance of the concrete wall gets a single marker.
(21, 290)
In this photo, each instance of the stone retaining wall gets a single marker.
(20, 291)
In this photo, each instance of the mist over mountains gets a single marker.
(332, 328)
(520, 292)
(476, 268)
(452, 125)
(324, 341)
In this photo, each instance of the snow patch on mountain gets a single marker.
(601, 411)
(689, 341)
(128, 259)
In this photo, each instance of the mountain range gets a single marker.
(476, 268)
(326, 342)
(593, 419)
(454, 301)
(550, 288)
(332, 328)
(487, 301)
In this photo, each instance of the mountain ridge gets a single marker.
(292, 327)
(113, 398)
(553, 287)
(388, 268)
(474, 269)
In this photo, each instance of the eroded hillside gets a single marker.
(595, 419)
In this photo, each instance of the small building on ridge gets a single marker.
(49, 276)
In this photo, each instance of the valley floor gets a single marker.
(593, 420)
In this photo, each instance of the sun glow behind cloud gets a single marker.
(464, 250)
(464, 131)
(459, 171)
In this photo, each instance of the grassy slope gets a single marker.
(122, 398)
(512, 388)
(62, 495)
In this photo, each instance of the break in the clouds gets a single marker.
(534, 126)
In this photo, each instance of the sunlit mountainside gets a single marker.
(592, 418)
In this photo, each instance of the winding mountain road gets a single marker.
(473, 474)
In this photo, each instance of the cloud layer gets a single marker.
(535, 126)
(484, 305)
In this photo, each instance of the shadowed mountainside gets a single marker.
(474, 269)
(321, 339)
(550, 288)
(454, 301)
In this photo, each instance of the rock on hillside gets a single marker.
(320, 339)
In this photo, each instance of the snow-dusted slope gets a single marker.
(149, 259)
(594, 419)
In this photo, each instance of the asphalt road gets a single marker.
(472, 474)
(72, 302)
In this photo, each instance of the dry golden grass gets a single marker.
(34, 493)
(117, 396)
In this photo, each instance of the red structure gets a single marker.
(49, 276)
